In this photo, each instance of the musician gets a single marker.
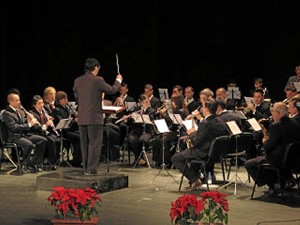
(177, 90)
(222, 93)
(293, 78)
(225, 114)
(19, 125)
(210, 128)
(290, 93)
(155, 102)
(282, 131)
(63, 110)
(138, 134)
(189, 100)
(167, 139)
(258, 84)
(258, 109)
(47, 129)
(121, 101)
(294, 109)
(49, 100)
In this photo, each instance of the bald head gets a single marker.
(14, 100)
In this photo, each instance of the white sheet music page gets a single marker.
(234, 128)
(161, 126)
(188, 124)
(146, 119)
(297, 86)
(176, 118)
(254, 124)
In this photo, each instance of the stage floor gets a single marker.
(146, 200)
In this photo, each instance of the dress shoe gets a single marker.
(194, 186)
(25, 169)
(91, 173)
(274, 191)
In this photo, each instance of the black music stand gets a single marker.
(144, 119)
(110, 110)
(235, 131)
(162, 128)
(63, 124)
(176, 119)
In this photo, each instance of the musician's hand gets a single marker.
(49, 123)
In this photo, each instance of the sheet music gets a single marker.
(248, 100)
(233, 127)
(64, 123)
(188, 124)
(130, 106)
(176, 118)
(163, 94)
(161, 126)
(233, 93)
(254, 124)
(112, 108)
(297, 86)
(141, 118)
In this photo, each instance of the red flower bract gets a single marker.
(80, 203)
(211, 207)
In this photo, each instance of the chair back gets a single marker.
(3, 133)
(291, 158)
(242, 143)
(218, 148)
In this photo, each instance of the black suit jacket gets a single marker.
(281, 133)
(88, 91)
(16, 127)
(208, 129)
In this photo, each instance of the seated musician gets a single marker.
(47, 129)
(63, 110)
(189, 100)
(210, 128)
(49, 100)
(222, 93)
(139, 133)
(165, 141)
(282, 131)
(154, 101)
(19, 125)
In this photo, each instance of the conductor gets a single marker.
(88, 89)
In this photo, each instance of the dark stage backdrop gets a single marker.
(198, 43)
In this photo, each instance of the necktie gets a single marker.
(19, 115)
(42, 118)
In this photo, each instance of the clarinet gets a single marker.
(52, 125)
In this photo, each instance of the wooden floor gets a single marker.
(146, 201)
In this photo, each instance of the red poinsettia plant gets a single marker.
(209, 207)
(78, 203)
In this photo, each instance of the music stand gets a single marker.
(163, 94)
(144, 119)
(176, 119)
(235, 131)
(162, 128)
(233, 93)
(62, 124)
(110, 110)
(256, 128)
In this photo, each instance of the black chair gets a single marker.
(8, 145)
(291, 162)
(240, 146)
(216, 154)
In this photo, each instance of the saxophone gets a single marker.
(263, 128)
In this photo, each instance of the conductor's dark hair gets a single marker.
(90, 64)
